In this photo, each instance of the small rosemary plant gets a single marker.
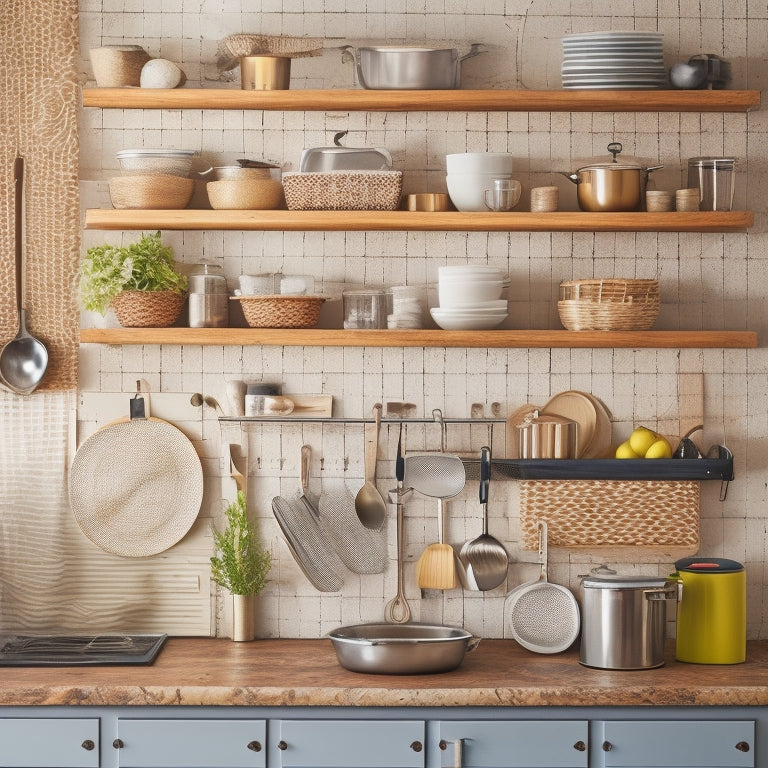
(241, 564)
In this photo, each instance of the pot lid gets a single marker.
(625, 162)
(708, 565)
(156, 153)
(624, 582)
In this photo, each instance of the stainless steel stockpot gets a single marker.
(623, 621)
(611, 186)
(406, 67)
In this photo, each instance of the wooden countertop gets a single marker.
(219, 672)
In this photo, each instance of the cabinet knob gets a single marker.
(88, 744)
(443, 744)
(607, 746)
(254, 746)
(416, 746)
(282, 745)
(118, 744)
(580, 746)
(742, 746)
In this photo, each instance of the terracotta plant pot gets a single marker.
(147, 309)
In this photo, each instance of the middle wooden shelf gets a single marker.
(334, 221)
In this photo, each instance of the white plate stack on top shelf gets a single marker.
(614, 60)
(470, 297)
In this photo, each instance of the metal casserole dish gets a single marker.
(401, 649)
(404, 67)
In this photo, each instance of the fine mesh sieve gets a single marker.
(542, 617)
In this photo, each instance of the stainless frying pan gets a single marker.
(136, 485)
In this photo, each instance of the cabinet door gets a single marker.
(513, 744)
(191, 743)
(686, 743)
(38, 742)
(351, 744)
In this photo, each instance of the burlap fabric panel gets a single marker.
(38, 120)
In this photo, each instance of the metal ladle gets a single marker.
(369, 503)
(485, 560)
(24, 359)
(397, 610)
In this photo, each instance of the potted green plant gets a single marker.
(139, 281)
(241, 565)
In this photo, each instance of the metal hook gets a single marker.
(437, 415)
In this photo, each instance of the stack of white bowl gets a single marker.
(470, 297)
(469, 174)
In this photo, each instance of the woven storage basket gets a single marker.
(281, 311)
(619, 513)
(245, 194)
(147, 309)
(603, 304)
(151, 191)
(343, 190)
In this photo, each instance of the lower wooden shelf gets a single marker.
(319, 337)
(452, 221)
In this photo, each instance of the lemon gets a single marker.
(660, 449)
(642, 439)
(624, 451)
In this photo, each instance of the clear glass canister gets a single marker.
(208, 297)
(365, 308)
(715, 179)
(266, 400)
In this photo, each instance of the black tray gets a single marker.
(606, 469)
(78, 650)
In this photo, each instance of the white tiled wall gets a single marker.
(708, 281)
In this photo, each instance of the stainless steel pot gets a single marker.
(406, 67)
(341, 158)
(611, 186)
(404, 649)
(623, 621)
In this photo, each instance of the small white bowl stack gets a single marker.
(470, 297)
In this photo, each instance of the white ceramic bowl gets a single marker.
(475, 307)
(467, 190)
(498, 163)
(451, 321)
(457, 292)
(470, 271)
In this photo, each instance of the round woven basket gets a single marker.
(151, 191)
(603, 304)
(147, 309)
(281, 311)
(245, 194)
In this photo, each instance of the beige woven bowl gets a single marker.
(343, 190)
(281, 311)
(151, 191)
(245, 194)
(609, 304)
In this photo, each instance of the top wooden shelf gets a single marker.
(424, 101)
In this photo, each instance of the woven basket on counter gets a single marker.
(148, 309)
(281, 311)
(612, 513)
(343, 190)
(603, 304)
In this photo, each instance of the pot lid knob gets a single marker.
(615, 148)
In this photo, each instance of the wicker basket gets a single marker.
(147, 309)
(614, 304)
(151, 191)
(343, 190)
(617, 513)
(281, 311)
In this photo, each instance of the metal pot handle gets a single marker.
(474, 50)
(661, 593)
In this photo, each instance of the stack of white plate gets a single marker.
(614, 60)
(470, 297)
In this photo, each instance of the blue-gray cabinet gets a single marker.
(49, 742)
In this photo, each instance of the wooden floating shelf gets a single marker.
(424, 101)
(318, 337)
(328, 221)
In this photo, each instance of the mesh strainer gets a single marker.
(542, 617)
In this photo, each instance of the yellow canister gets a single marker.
(711, 611)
